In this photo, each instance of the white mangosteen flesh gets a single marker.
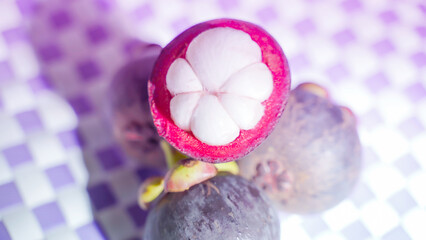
(218, 88)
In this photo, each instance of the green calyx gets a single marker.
(185, 174)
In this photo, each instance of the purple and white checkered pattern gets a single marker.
(62, 176)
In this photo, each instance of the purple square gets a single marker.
(90, 231)
(337, 72)
(6, 73)
(369, 156)
(9, 195)
(70, 139)
(227, 5)
(377, 82)
(17, 155)
(415, 92)
(137, 214)
(101, 196)
(88, 70)
(371, 119)
(421, 30)
(110, 158)
(104, 5)
(314, 225)
(402, 202)
(419, 59)
(267, 14)
(39, 84)
(407, 165)
(4, 235)
(80, 104)
(351, 5)
(145, 172)
(49, 215)
(344, 37)
(17, 34)
(411, 127)
(361, 195)
(60, 176)
(143, 12)
(29, 121)
(397, 233)
(383, 47)
(50, 53)
(60, 19)
(299, 62)
(388, 17)
(96, 34)
(27, 7)
(422, 8)
(305, 27)
(356, 231)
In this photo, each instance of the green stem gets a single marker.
(172, 156)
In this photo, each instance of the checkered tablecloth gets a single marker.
(62, 176)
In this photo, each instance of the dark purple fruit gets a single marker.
(312, 159)
(226, 207)
(129, 106)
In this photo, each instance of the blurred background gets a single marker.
(62, 176)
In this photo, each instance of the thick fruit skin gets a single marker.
(312, 160)
(239, 211)
(272, 56)
(129, 108)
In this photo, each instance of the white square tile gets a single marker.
(5, 172)
(293, 230)
(388, 143)
(341, 216)
(55, 113)
(329, 235)
(22, 225)
(384, 180)
(351, 94)
(46, 149)
(416, 186)
(77, 166)
(17, 97)
(361, 61)
(418, 146)
(379, 218)
(75, 205)
(10, 16)
(23, 60)
(401, 73)
(414, 223)
(33, 185)
(62, 233)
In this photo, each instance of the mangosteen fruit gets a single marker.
(312, 159)
(218, 89)
(225, 207)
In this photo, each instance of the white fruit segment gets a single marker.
(253, 81)
(211, 124)
(181, 108)
(181, 78)
(245, 112)
(217, 53)
(219, 88)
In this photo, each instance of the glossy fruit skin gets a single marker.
(185, 142)
(129, 111)
(312, 160)
(239, 211)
